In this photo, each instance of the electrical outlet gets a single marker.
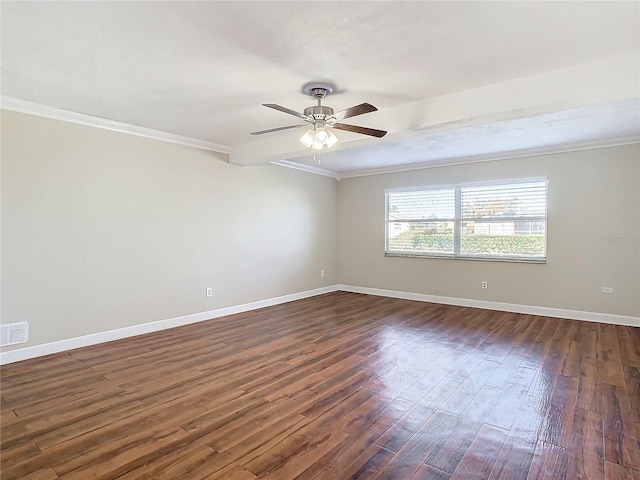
(485, 284)
(607, 289)
(209, 292)
(322, 273)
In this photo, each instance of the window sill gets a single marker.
(462, 257)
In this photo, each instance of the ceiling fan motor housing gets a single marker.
(318, 112)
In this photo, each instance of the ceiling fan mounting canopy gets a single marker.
(318, 90)
(320, 116)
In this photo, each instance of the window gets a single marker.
(499, 221)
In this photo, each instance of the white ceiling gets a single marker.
(451, 79)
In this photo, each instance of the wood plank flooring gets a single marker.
(338, 386)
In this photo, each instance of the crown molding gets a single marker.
(306, 168)
(490, 157)
(32, 108)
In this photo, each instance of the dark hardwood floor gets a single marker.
(339, 386)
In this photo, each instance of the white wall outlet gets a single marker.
(322, 273)
(485, 284)
(209, 292)
(607, 289)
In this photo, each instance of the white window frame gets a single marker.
(458, 220)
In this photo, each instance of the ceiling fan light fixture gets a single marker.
(308, 138)
(321, 135)
(318, 138)
(332, 140)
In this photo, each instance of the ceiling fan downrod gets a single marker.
(318, 112)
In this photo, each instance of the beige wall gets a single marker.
(593, 231)
(102, 230)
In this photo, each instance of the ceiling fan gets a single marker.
(319, 117)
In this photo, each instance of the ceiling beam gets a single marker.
(605, 81)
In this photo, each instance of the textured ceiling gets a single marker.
(202, 69)
(575, 128)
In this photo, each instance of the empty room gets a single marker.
(378, 240)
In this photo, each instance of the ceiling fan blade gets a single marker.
(355, 110)
(260, 132)
(363, 130)
(285, 110)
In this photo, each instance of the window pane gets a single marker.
(504, 220)
(506, 239)
(505, 201)
(420, 238)
(422, 204)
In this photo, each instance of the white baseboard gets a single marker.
(110, 335)
(119, 333)
(503, 307)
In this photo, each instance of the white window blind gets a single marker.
(505, 221)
